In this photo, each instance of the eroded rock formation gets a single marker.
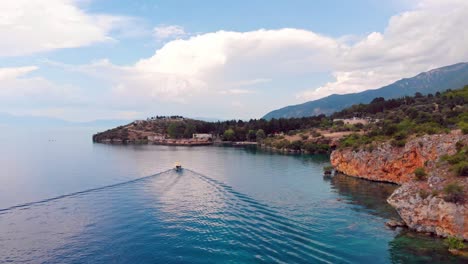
(430, 213)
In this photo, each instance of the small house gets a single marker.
(202, 136)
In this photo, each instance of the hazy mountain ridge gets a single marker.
(41, 121)
(432, 81)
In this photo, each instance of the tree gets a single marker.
(176, 130)
(251, 135)
(189, 130)
(260, 135)
(229, 135)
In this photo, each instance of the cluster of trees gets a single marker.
(181, 130)
(396, 119)
(298, 145)
(239, 130)
(252, 135)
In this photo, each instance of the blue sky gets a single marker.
(82, 60)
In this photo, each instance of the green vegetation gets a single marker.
(423, 194)
(454, 243)
(260, 135)
(458, 161)
(420, 174)
(454, 193)
(398, 119)
(328, 169)
(229, 135)
(393, 120)
(176, 130)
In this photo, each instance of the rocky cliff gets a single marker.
(430, 214)
(395, 164)
(420, 204)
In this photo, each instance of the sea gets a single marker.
(65, 199)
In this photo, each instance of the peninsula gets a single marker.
(419, 142)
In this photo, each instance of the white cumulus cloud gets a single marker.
(163, 32)
(212, 70)
(432, 35)
(30, 26)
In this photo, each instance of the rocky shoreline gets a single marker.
(420, 204)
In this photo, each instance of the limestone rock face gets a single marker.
(397, 164)
(431, 214)
(394, 164)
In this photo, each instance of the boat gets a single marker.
(177, 166)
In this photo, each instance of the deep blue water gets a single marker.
(229, 205)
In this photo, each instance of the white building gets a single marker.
(156, 137)
(352, 121)
(202, 136)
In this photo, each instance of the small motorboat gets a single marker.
(177, 166)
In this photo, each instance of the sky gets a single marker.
(82, 60)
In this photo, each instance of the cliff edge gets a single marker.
(425, 204)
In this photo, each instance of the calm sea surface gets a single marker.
(64, 199)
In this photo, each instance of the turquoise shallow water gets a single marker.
(228, 205)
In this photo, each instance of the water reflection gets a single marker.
(367, 194)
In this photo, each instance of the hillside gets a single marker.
(427, 82)
(175, 127)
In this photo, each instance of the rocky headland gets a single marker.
(424, 203)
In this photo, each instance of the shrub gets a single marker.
(295, 145)
(420, 174)
(461, 169)
(304, 137)
(454, 243)
(281, 144)
(400, 136)
(454, 193)
(459, 145)
(398, 143)
(435, 193)
(423, 194)
(316, 134)
(328, 169)
(464, 127)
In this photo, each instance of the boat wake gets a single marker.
(194, 212)
(83, 192)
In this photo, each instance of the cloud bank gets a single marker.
(432, 35)
(31, 26)
(228, 67)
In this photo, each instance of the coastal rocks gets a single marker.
(431, 214)
(393, 223)
(420, 204)
(394, 164)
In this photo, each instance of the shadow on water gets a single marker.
(371, 196)
(411, 247)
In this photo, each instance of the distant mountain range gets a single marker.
(38, 121)
(436, 80)
(41, 121)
